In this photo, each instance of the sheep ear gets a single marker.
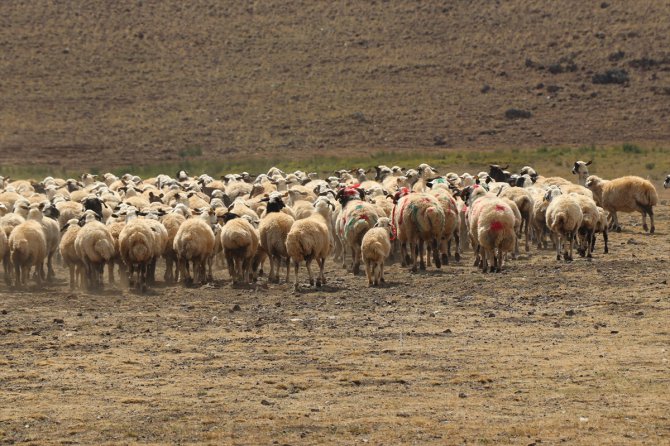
(589, 163)
(506, 167)
(64, 228)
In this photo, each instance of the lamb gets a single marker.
(193, 242)
(240, 242)
(375, 248)
(68, 252)
(418, 218)
(625, 194)
(28, 248)
(136, 247)
(581, 169)
(94, 245)
(310, 239)
(564, 218)
(273, 230)
(356, 218)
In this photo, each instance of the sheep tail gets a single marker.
(104, 249)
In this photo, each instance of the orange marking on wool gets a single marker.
(496, 226)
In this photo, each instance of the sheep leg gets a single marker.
(246, 270)
(445, 249)
(436, 253)
(422, 262)
(368, 271)
(381, 273)
(288, 270)
(271, 276)
(322, 278)
(405, 259)
(308, 265)
(356, 253)
(412, 249)
(558, 247)
(71, 268)
(605, 239)
(296, 264)
(483, 259)
(590, 237)
(499, 261)
(231, 266)
(51, 274)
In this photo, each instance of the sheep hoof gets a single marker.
(476, 263)
(318, 283)
(382, 280)
(311, 282)
(457, 256)
(422, 266)
(645, 227)
(414, 269)
(653, 229)
(607, 251)
(558, 257)
(618, 228)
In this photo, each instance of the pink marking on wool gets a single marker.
(496, 226)
(500, 207)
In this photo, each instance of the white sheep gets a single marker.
(4, 254)
(601, 228)
(310, 239)
(68, 253)
(194, 242)
(625, 194)
(451, 224)
(171, 222)
(375, 248)
(28, 248)
(136, 248)
(590, 220)
(564, 217)
(524, 202)
(94, 245)
(240, 242)
(418, 219)
(355, 219)
(495, 232)
(273, 230)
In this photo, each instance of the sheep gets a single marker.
(375, 248)
(601, 227)
(356, 218)
(425, 173)
(52, 234)
(581, 169)
(160, 242)
(625, 194)
(4, 253)
(68, 210)
(28, 248)
(518, 220)
(193, 242)
(310, 239)
(490, 225)
(94, 245)
(451, 224)
(499, 174)
(587, 229)
(273, 230)
(564, 217)
(666, 184)
(68, 253)
(418, 218)
(240, 241)
(524, 202)
(495, 232)
(136, 248)
(171, 222)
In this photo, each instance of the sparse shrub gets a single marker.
(631, 148)
(614, 76)
(650, 166)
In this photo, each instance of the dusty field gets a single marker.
(544, 353)
(97, 85)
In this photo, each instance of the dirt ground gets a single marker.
(99, 85)
(543, 353)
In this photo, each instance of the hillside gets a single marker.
(139, 82)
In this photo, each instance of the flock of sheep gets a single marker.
(198, 223)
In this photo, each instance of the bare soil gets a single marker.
(544, 353)
(100, 85)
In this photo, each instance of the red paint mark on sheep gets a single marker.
(496, 226)
(500, 208)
